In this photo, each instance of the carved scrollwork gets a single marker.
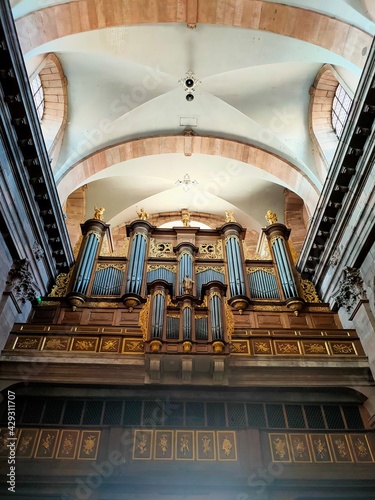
(229, 317)
(161, 249)
(309, 292)
(211, 250)
(62, 282)
(144, 317)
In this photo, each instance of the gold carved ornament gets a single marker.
(204, 302)
(269, 270)
(89, 444)
(267, 308)
(62, 282)
(308, 291)
(229, 318)
(211, 250)
(95, 233)
(184, 252)
(144, 317)
(119, 267)
(160, 249)
(217, 269)
(168, 267)
(201, 316)
(234, 236)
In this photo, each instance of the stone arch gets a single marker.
(288, 173)
(79, 16)
(320, 117)
(55, 105)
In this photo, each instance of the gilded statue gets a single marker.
(229, 217)
(99, 213)
(186, 219)
(142, 214)
(187, 285)
(271, 217)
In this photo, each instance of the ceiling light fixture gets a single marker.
(186, 183)
(189, 82)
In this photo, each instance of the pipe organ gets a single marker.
(195, 278)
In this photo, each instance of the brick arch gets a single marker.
(54, 118)
(320, 117)
(79, 16)
(149, 146)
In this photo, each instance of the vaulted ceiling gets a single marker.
(127, 113)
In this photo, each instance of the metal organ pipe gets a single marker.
(86, 263)
(136, 264)
(285, 269)
(236, 276)
(216, 318)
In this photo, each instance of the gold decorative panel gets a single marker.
(55, 344)
(110, 344)
(89, 444)
(314, 348)
(47, 443)
(68, 444)
(262, 347)
(27, 343)
(26, 442)
(142, 446)
(341, 449)
(361, 448)
(320, 448)
(133, 346)
(185, 445)
(343, 348)
(300, 448)
(279, 447)
(84, 344)
(163, 445)
(287, 348)
(240, 347)
(206, 449)
(226, 445)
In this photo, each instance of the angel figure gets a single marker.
(142, 214)
(229, 217)
(99, 213)
(271, 217)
